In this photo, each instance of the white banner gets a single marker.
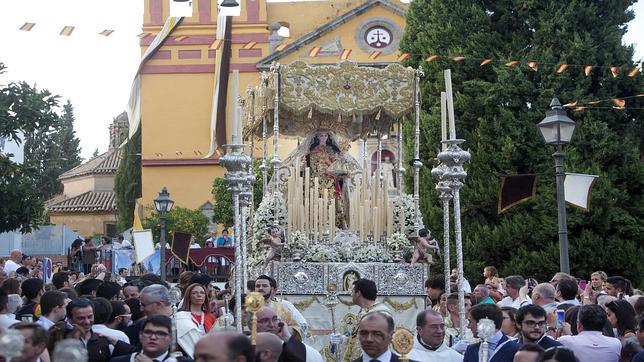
(181, 8)
(577, 188)
(143, 244)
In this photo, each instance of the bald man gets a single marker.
(13, 263)
(224, 346)
(544, 295)
(269, 347)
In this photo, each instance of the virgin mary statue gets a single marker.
(325, 154)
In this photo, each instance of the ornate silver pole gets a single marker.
(264, 165)
(331, 301)
(401, 167)
(251, 136)
(445, 194)
(454, 157)
(237, 164)
(276, 134)
(417, 164)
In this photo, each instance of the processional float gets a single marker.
(348, 225)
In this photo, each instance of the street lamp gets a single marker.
(163, 204)
(557, 129)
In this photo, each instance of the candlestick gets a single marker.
(443, 119)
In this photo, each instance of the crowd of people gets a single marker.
(124, 318)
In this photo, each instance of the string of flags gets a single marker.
(618, 103)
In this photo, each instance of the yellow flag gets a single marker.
(136, 225)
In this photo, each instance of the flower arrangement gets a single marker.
(406, 201)
(372, 253)
(397, 242)
(298, 241)
(321, 253)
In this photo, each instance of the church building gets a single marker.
(187, 84)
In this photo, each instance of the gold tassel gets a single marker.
(311, 113)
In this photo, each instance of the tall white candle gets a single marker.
(236, 137)
(443, 119)
(450, 104)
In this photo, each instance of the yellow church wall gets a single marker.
(85, 224)
(189, 186)
(176, 106)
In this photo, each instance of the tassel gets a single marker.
(311, 113)
(378, 115)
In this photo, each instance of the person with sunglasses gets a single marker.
(532, 325)
(156, 339)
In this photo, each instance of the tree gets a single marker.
(179, 219)
(497, 110)
(95, 153)
(30, 111)
(69, 144)
(127, 183)
(223, 198)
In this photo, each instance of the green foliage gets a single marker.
(497, 109)
(69, 145)
(127, 183)
(21, 208)
(223, 210)
(179, 219)
(95, 153)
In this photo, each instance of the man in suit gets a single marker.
(501, 347)
(374, 333)
(155, 338)
(155, 300)
(531, 322)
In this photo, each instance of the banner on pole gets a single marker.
(577, 189)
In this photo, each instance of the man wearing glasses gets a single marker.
(531, 322)
(155, 338)
(430, 341)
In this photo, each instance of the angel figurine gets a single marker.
(423, 244)
(273, 240)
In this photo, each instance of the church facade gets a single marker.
(186, 76)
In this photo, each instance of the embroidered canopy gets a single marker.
(349, 99)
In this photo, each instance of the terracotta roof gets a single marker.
(89, 201)
(107, 163)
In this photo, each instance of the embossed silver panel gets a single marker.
(313, 278)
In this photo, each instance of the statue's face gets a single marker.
(322, 137)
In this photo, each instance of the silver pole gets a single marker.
(238, 262)
(276, 134)
(379, 158)
(264, 166)
(417, 163)
(401, 168)
(564, 263)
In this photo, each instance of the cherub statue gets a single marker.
(273, 240)
(423, 243)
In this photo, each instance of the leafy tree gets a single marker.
(497, 110)
(179, 219)
(95, 153)
(223, 198)
(26, 110)
(127, 183)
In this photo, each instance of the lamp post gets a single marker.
(557, 129)
(163, 204)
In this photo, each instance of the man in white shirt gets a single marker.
(567, 292)
(102, 313)
(52, 307)
(590, 344)
(517, 290)
(430, 341)
(13, 263)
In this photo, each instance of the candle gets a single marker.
(443, 119)
(236, 117)
(450, 104)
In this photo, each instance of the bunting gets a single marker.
(345, 54)
(216, 44)
(67, 30)
(106, 32)
(27, 26)
(314, 51)
(249, 45)
(281, 47)
(403, 57)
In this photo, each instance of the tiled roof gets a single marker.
(107, 163)
(89, 201)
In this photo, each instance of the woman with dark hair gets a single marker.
(621, 315)
(559, 354)
(76, 254)
(89, 255)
